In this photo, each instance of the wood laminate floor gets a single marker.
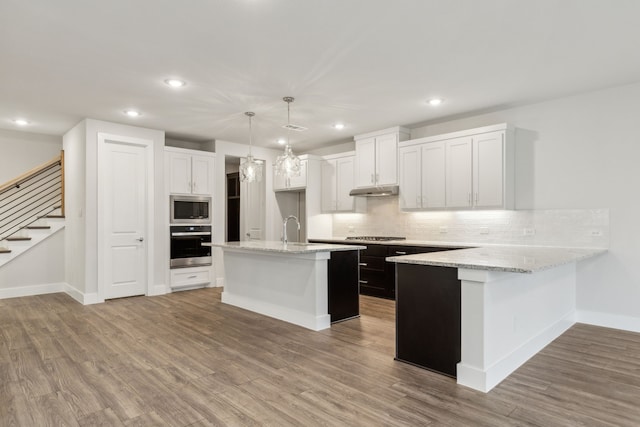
(185, 359)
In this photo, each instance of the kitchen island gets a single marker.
(512, 300)
(290, 281)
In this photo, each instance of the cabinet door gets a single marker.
(433, 175)
(180, 173)
(459, 161)
(344, 183)
(279, 181)
(328, 190)
(365, 162)
(201, 174)
(386, 160)
(488, 167)
(300, 181)
(410, 177)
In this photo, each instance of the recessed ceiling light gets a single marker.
(282, 141)
(175, 82)
(21, 122)
(132, 113)
(338, 126)
(435, 101)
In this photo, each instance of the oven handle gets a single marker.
(195, 233)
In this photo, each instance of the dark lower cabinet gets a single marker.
(344, 295)
(428, 317)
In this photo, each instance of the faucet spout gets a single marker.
(284, 227)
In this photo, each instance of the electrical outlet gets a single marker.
(528, 231)
(484, 230)
(444, 229)
(595, 233)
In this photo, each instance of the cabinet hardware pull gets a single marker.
(192, 277)
(469, 199)
(363, 264)
(364, 281)
(400, 253)
(140, 239)
(372, 181)
(377, 177)
(476, 198)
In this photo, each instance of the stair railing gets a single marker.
(31, 196)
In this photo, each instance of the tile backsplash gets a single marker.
(553, 227)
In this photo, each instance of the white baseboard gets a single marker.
(607, 320)
(31, 290)
(161, 289)
(485, 380)
(219, 282)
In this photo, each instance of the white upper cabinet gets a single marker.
(433, 176)
(377, 157)
(296, 183)
(488, 170)
(422, 176)
(189, 172)
(471, 169)
(338, 177)
(459, 159)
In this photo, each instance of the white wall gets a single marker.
(582, 152)
(38, 270)
(83, 218)
(75, 206)
(21, 151)
(201, 146)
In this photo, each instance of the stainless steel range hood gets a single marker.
(378, 191)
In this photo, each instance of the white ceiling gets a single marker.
(370, 64)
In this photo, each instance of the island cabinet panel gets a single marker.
(428, 317)
(344, 299)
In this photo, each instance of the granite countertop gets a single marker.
(278, 246)
(515, 259)
(484, 256)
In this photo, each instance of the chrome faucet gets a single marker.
(284, 227)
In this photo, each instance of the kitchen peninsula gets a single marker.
(512, 301)
(306, 284)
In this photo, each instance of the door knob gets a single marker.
(140, 239)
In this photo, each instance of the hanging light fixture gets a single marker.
(288, 164)
(250, 170)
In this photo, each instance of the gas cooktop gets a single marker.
(375, 238)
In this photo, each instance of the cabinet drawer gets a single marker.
(374, 250)
(190, 277)
(372, 263)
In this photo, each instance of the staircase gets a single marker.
(31, 208)
(30, 236)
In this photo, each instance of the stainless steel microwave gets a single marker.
(190, 209)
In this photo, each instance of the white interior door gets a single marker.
(123, 208)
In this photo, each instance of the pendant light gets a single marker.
(250, 170)
(288, 164)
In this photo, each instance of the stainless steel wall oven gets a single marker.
(186, 245)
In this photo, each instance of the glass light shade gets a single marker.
(288, 164)
(250, 170)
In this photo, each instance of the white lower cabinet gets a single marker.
(190, 277)
(471, 169)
